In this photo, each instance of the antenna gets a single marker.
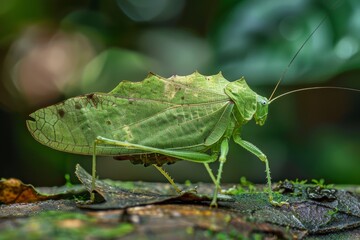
(313, 88)
(293, 58)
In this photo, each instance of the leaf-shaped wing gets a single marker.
(191, 89)
(150, 119)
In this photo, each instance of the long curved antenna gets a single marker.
(293, 58)
(313, 88)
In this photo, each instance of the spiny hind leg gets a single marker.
(167, 176)
(257, 152)
(92, 194)
(184, 155)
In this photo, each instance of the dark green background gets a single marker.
(314, 134)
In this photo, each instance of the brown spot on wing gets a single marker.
(93, 99)
(61, 112)
(78, 106)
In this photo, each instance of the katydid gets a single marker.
(158, 121)
(183, 117)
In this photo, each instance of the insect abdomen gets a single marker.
(148, 159)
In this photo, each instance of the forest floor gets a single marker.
(141, 210)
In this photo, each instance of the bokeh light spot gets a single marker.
(346, 47)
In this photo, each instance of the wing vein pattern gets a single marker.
(180, 112)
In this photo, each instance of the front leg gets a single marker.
(257, 152)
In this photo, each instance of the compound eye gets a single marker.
(263, 102)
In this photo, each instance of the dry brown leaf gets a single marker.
(15, 191)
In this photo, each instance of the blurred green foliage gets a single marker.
(53, 50)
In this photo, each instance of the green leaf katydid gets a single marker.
(181, 117)
(158, 121)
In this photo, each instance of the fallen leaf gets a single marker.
(123, 195)
(15, 191)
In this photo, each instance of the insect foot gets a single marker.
(213, 203)
(84, 202)
(278, 204)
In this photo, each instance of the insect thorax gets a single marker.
(248, 103)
